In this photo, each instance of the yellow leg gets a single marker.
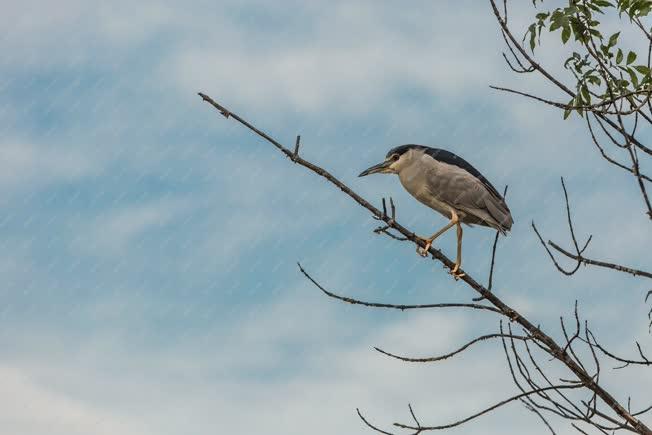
(454, 221)
(458, 259)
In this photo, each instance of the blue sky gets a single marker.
(150, 246)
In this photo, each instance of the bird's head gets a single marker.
(394, 161)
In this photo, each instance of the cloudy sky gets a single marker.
(149, 246)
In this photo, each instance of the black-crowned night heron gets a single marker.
(448, 184)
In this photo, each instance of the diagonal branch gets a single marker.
(607, 157)
(554, 349)
(538, 413)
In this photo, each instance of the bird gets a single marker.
(450, 185)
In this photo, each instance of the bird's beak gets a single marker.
(375, 169)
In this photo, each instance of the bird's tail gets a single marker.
(500, 213)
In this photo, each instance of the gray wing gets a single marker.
(462, 190)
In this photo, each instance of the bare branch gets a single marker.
(295, 154)
(598, 108)
(643, 411)
(542, 340)
(536, 411)
(552, 257)
(414, 417)
(489, 409)
(461, 349)
(493, 251)
(637, 173)
(493, 257)
(578, 429)
(644, 361)
(371, 425)
(385, 229)
(609, 159)
(578, 256)
(394, 306)
(583, 260)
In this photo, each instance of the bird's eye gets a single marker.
(394, 157)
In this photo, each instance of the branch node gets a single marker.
(223, 110)
(295, 154)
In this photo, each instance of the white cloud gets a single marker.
(26, 166)
(353, 58)
(214, 379)
(31, 408)
(78, 32)
(113, 231)
(278, 369)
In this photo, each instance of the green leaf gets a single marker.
(532, 30)
(613, 39)
(642, 69)
(631, 57)
(568, 111)
(585, 94)
(594, 80)
(595, 33)
(578, 100)
(619, 56)
(605, 50)
(603, 3)
(633, 77)
(565, 34)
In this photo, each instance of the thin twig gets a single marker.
(606, 157)
(493, 251)
(489, 409)
(583, 260)
(394, 306)
(371, 425)
(493, 256)
(644, 361)
(536, 411)
(455, 352)
(295, 154)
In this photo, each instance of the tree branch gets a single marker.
(455, 352)
(583, 260)
(555, 349)
(394, 306)
(489, 409)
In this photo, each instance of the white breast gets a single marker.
(413, 179)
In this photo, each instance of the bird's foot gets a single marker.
(455, 271)
(424, 251)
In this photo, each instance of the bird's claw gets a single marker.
(424, 251)
(455, 271)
